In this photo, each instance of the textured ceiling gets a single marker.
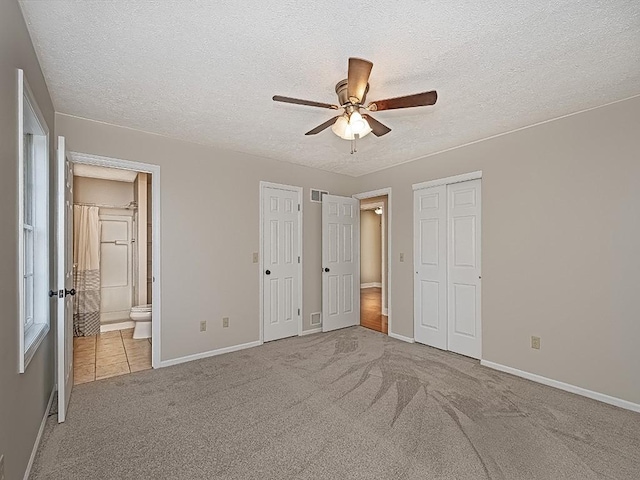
(206, 71)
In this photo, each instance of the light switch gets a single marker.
(255, 257)
(401, 257)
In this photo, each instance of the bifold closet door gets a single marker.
(464, 274)
(430, 266)
(447, 283)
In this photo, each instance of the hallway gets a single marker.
(371, 310)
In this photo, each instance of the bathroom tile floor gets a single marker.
(109, 354)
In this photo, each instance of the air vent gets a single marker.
(316, 195)
(316, 318)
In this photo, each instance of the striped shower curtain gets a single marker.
(86, 271)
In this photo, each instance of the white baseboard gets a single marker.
(110, 327)
(313, 330)
(401, 337)
(27, 472)
(210, 353)
(371, 285)
(618, 402)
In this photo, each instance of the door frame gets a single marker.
(388, 253)
(298, 190)
(463, 177)
(154, 170)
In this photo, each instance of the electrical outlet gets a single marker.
(401, 257)
(1, 467)
(225, 322)
(255, 257)
(203, 326)
(535, 343)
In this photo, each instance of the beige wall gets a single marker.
(23, 397)
(560, 240)
(370, 247)
(103, 192)
(210, 228)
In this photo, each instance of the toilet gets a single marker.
(141, 315)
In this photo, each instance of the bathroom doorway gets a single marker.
(374, 263)
(112, 252)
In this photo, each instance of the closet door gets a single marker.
(464, 274)
(430, 266)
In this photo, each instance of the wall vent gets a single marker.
(316, 318)
(316, 195)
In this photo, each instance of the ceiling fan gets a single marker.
(352, 92)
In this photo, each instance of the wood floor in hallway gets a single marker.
(371, 310)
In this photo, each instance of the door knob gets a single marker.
(268, 272)
(326, 270)
(71, 292)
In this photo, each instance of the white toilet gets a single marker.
(141, 315)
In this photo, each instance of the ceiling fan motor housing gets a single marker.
(343, 96)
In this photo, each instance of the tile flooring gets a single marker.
(109, 354)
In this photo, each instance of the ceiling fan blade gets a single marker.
(377, 128)
(323, 126)
(417, 100)
(357, 79)
(297, 101)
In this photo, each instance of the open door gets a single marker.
(64, 249)
(340, 262)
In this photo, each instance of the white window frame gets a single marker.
(34, 324)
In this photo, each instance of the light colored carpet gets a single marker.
(351, 404)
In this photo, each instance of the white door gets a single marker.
(430, 266)
(340, 262)
(281, 263)
(465, 332)
(64, 263)
(116, 268)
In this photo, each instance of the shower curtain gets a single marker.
(86, 271)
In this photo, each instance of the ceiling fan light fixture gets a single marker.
(344, 127)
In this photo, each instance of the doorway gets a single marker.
(112, 218)
(447, 264)
(373, 263)
(79, 281)
(375, 233)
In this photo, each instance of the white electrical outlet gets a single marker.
(401, 257)
(203, 326)
(225, 322)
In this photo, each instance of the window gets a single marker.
(33, 223)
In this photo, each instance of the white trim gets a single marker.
(371, 285)
(312, 331)
(567, 387)
(154, 170)
(401, 337)
(387, 252)
(299, 191)
(36, 445)
(39, 329)
(112, 327)
(210, 353)
(448, 180)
